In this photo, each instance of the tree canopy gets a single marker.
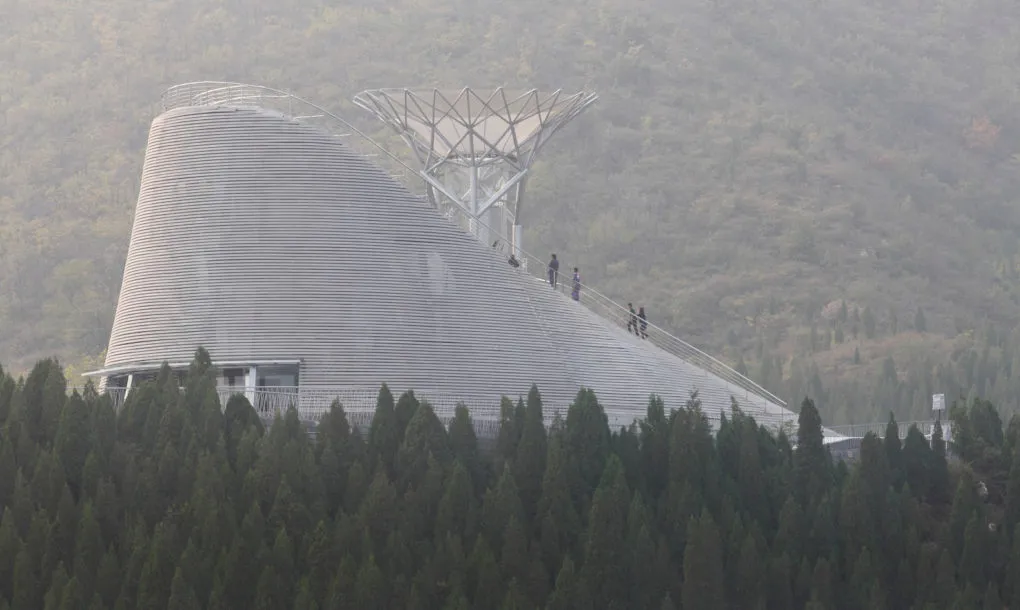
(164, 505)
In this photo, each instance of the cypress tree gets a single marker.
(379, 511)
(812, 461)
(565, 592)
(703, 585)
(182, 597)
(992, 600)
(587, 439)
(501, 504)
(55, 593)
(10, 545)
(457, 507)
(370, 589)
(529, 465)
(514, 556)
(945, 578)
(559, 523)
(304, 599)
(509, 434)
(484, 576)
(893, 450)
(321, 561)
(89, 550)
(916, 459)
(641, 556)
(404, 410)
(464, 445)
(72, 598)
(385, 434)
(749, 580)
(424, 438)
(655, 447)
(975, 552)
(605, 549)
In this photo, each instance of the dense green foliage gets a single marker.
(749, 163)
(171, 503)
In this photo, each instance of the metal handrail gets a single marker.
(217, 93)
(617, 313)
(879, 428)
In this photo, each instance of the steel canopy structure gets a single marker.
(475, 149)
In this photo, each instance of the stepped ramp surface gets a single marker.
(264, 239)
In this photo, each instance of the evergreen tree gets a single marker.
(586, 439)
(558, 522)
(811, 459)
(370, 589)
(510, 428)
(464, 445)
(749, 578)
(424, 438)
(565, 593)
(604, 551)
(181, 595)
(529, 465)
(385, 434)
(938, 490)
(703, 585)
(72, 598)
(485, 578)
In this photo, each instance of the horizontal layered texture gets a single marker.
(260, 239)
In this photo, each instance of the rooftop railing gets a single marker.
(879, 429)
(621, 316)
(215, 93)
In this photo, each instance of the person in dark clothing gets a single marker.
(576, 293)
(554, 271)
(632, 324)
(644, 322)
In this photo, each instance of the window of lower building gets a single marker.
(232, 378)
(278, 376)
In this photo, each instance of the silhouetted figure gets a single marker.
(644, 322)
(514, 262)
(632, 324)
(554, 271)
(576, 292)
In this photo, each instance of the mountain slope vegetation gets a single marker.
(751, 166)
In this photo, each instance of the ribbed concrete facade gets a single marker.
(263, 239)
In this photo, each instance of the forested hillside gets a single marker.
(173, 504)
(750, 166)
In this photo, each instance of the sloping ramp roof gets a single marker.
(263, 239)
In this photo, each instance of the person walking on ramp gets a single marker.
(632, 325)
(576, 293)
(644, 322)
(554, 271)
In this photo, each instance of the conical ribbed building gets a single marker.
(309, 273)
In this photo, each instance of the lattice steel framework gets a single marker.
(476, 149)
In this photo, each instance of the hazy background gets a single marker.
(749, 167)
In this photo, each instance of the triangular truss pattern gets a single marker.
(475, 149)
